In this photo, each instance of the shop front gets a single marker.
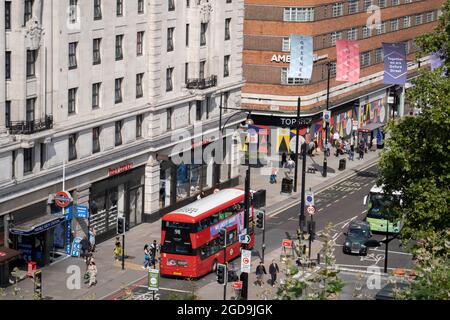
(121, 194)
(373, 116)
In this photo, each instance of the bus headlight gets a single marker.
(171, 262)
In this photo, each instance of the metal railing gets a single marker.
(30, 127)
(203, 83)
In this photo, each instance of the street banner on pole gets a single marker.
(395, 67)
(153, 279)
(246, 260)
(347, 63)
(309, 197)
(301, 64)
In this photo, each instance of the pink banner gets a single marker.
(347, 64)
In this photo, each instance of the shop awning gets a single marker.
(370, 127)
(37, 225)
(7, 254)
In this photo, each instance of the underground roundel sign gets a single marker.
(62, 199)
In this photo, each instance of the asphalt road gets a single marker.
(339, 204)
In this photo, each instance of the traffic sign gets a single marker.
(244, 238)
(246, 260)
(81, 211)
(153, 279)
(326, 116)
(62, 199)
(286, 243)
(309, 198)
(311, 210)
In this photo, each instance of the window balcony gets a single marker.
(30, 127)
(202, 83)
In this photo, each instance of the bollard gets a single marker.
(318, 258)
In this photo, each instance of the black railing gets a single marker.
(30, 127)
(202, 83)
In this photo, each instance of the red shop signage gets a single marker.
(122, 168)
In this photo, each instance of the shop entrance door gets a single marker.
(135, 204)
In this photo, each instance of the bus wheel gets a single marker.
(214, 266)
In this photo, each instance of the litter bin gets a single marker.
(287, 185)
(342, 164)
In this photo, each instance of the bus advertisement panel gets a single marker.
(379, 219)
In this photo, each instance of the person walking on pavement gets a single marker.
(146, 257)
(283, 159)
(92, 271)
(273, 270)
(85, 248)
(352, 152)
(92, 234)
(361, 150)
(153, 252)
(118, 250)
(290, 165)
(273, 176)
(260, 272)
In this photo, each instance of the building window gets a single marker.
(8, 15)
(198, 111)
(332, 68)
(139, 87)
(203, 28)
(118, 90)
(97, 9)
(28, 160)
(73, 146)
(72, 100)
(96, 95)
(8, 65)
(366, 32)
(170, 32)
(338, 9)
(119, 8)
(187, 35)
(171, 5)
(140, 6)
(352, 34)
(286, 44)
(201, 70)
(395, 2)
(169, 118)
(140, 43)
(382, 3)
(73, 11)
(226, 97)
(367, 4)
(419, 19)
(169, 83)
(407, 47)
(430, 16)
(294, 14)
(43, 154)
(226, 66)
(30, 109)
(7, 113)
(406, 22)
(96, 55)
(73, 55)
(119, 48)
(394, 25)
(96, 140)
(186, 72)
(335, 36)
(28, 10)
(353, 6)
(379, 55)
(227, 28)
(286, 80)
(381, 28)
(139, 119)
(118, 133)
(365, 59)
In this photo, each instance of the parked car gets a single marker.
(357, 235)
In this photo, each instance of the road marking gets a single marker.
(336, 235)
(347, 223)
(389, 251)
(328, 205)
(320, 210)
(168, 289)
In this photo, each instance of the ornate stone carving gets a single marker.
(33, 34)
(205, 11)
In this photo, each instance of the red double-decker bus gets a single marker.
(190, 245)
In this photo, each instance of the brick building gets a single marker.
(268, 90)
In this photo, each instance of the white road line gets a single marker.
(396, 252)
(169, 289)
(335, 200)
(328, 205)
(347, 223)
(336, 235)
(320, 210)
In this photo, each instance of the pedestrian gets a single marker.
(92, 271)
(273, 270)
(290, 165)
(118, 250)
(374, 144)
(146, 257)
(201, 195)
(352, 152)
(92, 234)
(361, 150)
(273, 176)
(154, 248)
(283, 159)
(85, 248)
(260, 272)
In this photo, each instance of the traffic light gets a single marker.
(120, 225)
(221, 273)
(260, 219)
(223, 237)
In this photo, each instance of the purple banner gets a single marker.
(395, 67)
(436, 60)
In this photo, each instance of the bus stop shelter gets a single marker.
(7, 255)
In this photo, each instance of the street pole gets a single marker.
(310, 236)
(123, 248)
(216, 165)
(226, 266)
(296, 144)
(386, 247)
(244, 275)
(263, 247)
(325, 164)
(302, 219)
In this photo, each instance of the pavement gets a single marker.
(63, 279)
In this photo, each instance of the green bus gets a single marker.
(378, 218)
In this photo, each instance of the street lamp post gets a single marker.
(302, 219)
(296, 144)
(325, 164)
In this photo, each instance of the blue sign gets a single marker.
(76, 247)
(301, 64)
(81, 211)
(395, 66)
(68, 236)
